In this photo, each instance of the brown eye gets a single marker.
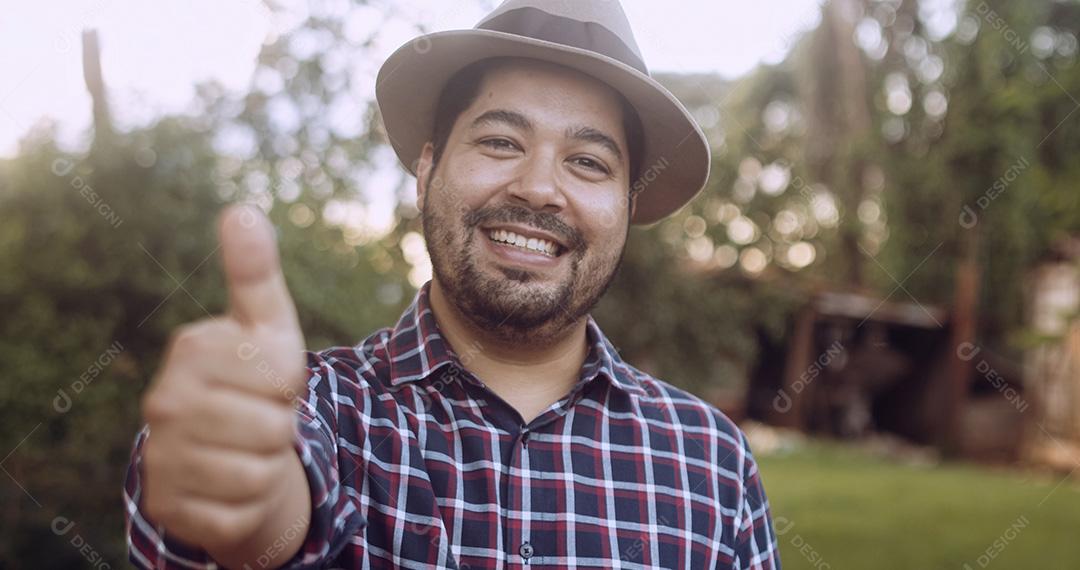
(591, 164)
(499, 144)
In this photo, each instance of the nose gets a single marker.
(538, 185)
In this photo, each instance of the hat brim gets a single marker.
(676, 158)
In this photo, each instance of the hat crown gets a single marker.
(599, 26)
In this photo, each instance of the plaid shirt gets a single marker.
(413, 463)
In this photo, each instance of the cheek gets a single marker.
(604, 219)
(471, 185)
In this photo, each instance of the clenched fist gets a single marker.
(221, 472)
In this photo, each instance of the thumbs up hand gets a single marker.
(219, 465)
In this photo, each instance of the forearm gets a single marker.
(284, 531)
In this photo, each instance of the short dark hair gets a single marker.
(463, 87)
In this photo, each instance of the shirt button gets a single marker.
(526, 550)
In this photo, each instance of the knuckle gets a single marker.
(158, 469)
(158, 407)
(160, 507)
(255, 476)
(151, 457)
(230, 527)
(184, 339)
(194, 338)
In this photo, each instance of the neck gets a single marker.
(528, 375)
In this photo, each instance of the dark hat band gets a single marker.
(541, 25)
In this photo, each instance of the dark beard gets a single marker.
(538, 316)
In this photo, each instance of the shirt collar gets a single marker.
(417, 349)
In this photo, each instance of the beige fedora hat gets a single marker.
(592, 36)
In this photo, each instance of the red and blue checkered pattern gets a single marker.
(414, 463)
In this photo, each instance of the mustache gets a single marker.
(520, 215)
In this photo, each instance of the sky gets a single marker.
(154, 53)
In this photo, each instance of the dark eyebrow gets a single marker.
(589, 134)
(511, 118)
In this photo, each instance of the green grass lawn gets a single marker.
(841, 509)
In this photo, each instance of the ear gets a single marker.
(424, 172)
(633, 204)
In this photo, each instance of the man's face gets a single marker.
(541, 157)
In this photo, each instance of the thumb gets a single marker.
(257, 291)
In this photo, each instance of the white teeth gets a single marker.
(540, 245)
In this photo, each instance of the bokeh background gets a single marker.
(881, 282)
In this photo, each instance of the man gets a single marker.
(494, 426)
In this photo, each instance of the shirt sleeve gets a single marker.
(756, 545)
(334, 518)
(148, 547)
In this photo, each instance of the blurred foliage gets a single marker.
(116, 247)
(865, 147)
(848, 162)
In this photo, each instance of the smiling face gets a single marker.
(526, 212)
